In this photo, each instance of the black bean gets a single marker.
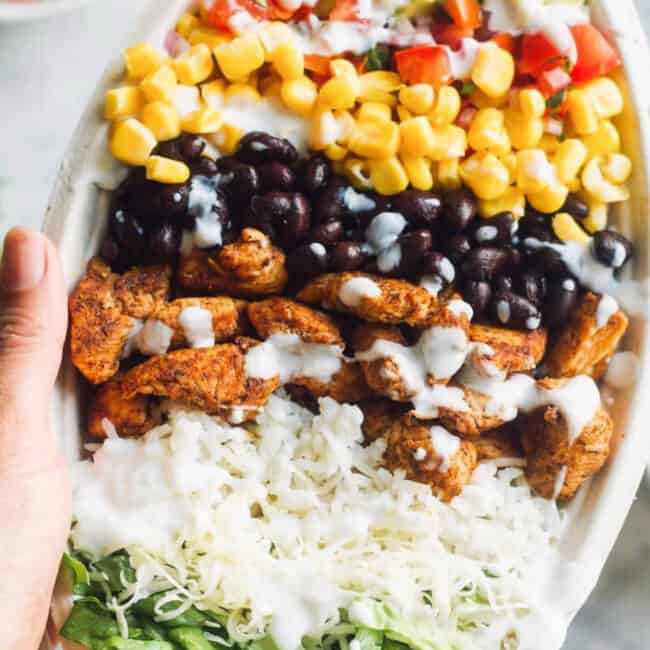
(560, 301)
(515, 260)
(611, 248)
(435, 263)
(484, 262)
(496, 231)
(238, 180)
(203, 166)
(330, 204)
(257, 147)
(419, 208)
(456, 247)
(164, 243)
(478, 294)
(169, 149)
(327, 233)
(515, 311)
(347, 256)
(503, 283)
(532, 285)
(316, 173)
(536, 226)
(575, 207)
(110, 252)
(459, 208)
(191, 146)
(276, 176)
(130, 235)
(288, 212)
(153, 202)
(547, 261)
(413, 247)
(307, 261)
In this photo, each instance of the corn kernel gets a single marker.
(493, 71)
(122, 102)
(416, 136)
(446, 108)
(604, 140)
(569, 158)
(549, 143)
(606, 97)
(141, 60)
(388, 176)
(335, 152)
(417, 98)
(167, 170)
(342, 68)
(195, 65)
(375, 139)
(210, 37)
(161, 119)
(513, 200)
(534, 171)
(487, 131)
(485, 174)
(288, 61)
(574, 185)
(339, 92)
(160, 85)
(212, 92)
(369, 111)
(186, 23)
(602, 189)
(616, 167)
(299, 95)
(345, 124)
(597, 218)
(273, 35)
(227, 139)
(449, 174)
(358, 173)
(418, 170)
(479, 99)
(509, 159)
(524, 132)
(241, 56)
(531, 103)
(205, 120)
(131, 142)
(382, 80)
(323, 129)
(450, 142)
(550, 199)
(582, 112)
(241, 92)
(566, 229)
(403, 113)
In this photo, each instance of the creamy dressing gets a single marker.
(390, 258)
(131, 343)
(432, 284)
(607, 307)
(384, 230)
(154, 337)
(559, 482)
(356, 202)
(445, 445)
(196, 323)
(208, 230)
(355, 290)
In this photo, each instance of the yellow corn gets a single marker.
(369, 111)
(210, 37)
(606, 97)
(534, 171)
(186, 23)
(601, 188)
(416, 136)
(379, 86)
(342, 68)
(512, 200)
(486, 175)
(161, 119)
(131, 142)
(566, 228)
(241, 92)
(569, 158)
(597, 218)
(582, 112)
(531, 103)
(450, 142)
(449, 174)
(122, 102)
(167, 170)
(227, 140)
(288, 61)
(418, 170)
(375, 139)
(345, 125)
(375, 95)
(524, 132)
(299, 95)
(194, 66)
(239, 57)
(479, 99)
(509, 159)
(213, 92)
(273, 35)
(323, 129)
(388, 176)
(205, 120)
(550, 199)
(335, 152)
(493, 71)
(574, 185)
(160, 84)
(358, 173)
(549, 143)
(141, 60)
(403, 113)
(616, 167)
(446, 108)
(487, 131)
(418, 98)
(339, 92)
(604, 140)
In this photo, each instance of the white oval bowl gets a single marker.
(597, 515)
(11, 12)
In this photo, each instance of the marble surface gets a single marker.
(47, 71)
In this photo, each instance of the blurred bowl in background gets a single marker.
(12, 11)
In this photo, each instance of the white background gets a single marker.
(47, 71)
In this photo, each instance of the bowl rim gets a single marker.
(11, 12)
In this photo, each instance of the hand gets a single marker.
(34, 488)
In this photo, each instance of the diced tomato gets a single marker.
(596, 57)
(318, 63)
(505, 41)
(424, 64)
(346, 11)
(450, 34)
(466, 14)
(537, 54)
(553, 81)
(221, 11)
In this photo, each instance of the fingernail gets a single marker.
(23, 260)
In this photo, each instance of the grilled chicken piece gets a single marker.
(103, 310)
(372, 298)
(430, 454)
(501, 443)
(249, 267)
(347, 385)
(555, 469)
(584, 348)
(378, 417)
(473, 421)
(504, 350)
(281, 315)
(110, 407)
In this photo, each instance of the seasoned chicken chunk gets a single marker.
(103, 311)
(498, 349)
(109, 407)
(249, 267)
(430, 454)
(281, 315)
(476, 419)
(589, 338)
(498, 444)
(373, 298)
(554, 468)
(346, 385)
(378, 417)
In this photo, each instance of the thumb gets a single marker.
(33, 320)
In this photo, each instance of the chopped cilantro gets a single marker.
(378, 58)
(555, 101)
(467, 88)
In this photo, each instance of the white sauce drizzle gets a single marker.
(353, 291)
(607, 307)
(196, 323)
(154, 337)
(357, 202)
(445, 445)
(384, 230)
(559, 482)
